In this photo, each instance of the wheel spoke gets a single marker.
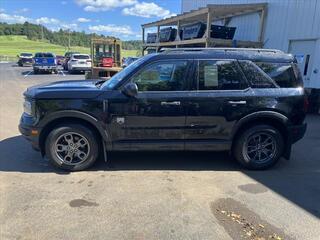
(68, 158)
(68, 138)
(82, 155)
(61, 148)
(81, 143)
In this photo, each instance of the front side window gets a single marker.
(162, 76)
(219, 75)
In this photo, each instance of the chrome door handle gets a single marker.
(176, 103)
(237, 102)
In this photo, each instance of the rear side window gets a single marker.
(219, 75)
(286, 75)
(256, 77)
(80, 56)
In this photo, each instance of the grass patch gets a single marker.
(12, 45)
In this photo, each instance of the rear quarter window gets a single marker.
(286, 75)
(256, 77)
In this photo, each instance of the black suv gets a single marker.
(248, 101)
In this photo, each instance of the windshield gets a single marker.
(120, 75)
(26, 54)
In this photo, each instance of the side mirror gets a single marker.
(130, 90)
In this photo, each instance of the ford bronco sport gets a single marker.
(250, 102)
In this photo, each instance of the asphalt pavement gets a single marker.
(147, 195)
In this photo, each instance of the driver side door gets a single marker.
(155, 118)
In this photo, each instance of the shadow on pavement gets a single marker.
(18, 156)
(296, 180)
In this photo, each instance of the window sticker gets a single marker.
(211, 76)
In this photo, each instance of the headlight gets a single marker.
(27, 107)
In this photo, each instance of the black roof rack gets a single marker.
(262, 50)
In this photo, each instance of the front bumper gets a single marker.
(296, 132)
(30, 132)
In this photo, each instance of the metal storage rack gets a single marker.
(207, 15)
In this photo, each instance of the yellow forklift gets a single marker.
(106, 58)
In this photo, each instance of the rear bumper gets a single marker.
(296, 132)
(44, 68)
(80, 68)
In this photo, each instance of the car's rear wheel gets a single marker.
(72, 147)
(259, 147)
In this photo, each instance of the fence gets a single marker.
(5, 58)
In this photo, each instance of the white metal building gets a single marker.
(291, 26)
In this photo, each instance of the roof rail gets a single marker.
(169, 50)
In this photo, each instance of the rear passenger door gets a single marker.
(220, 96)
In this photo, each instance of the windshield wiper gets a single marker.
(99, 83)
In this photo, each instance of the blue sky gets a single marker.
(121, 18)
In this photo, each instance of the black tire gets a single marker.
(241, 152)
(70, 71)
(35, 71)
(57, 134)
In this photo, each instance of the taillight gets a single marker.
(305, 104)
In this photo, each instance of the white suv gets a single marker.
(79, 63)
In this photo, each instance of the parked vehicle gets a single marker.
(67, 57)
(60, 60)
(184, 99)
(79, 63)
(25, 59)
(128, 61)
(44, 62)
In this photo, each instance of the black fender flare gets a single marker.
(265, 115)
(258, 115)
(78, 115)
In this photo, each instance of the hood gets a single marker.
(64, 89)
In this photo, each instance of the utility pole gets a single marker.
(42, 32)
(69, 40)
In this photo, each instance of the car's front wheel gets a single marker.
(72, 147)
(259, 147)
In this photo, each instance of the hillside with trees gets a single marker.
(61, 37)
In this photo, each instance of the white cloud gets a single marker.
(45, 20)
(71, 26)
(104, 5)
(83, 20)
(13, 18)
(147, 10)
(113, 29)
(22, 10)
(51, 23)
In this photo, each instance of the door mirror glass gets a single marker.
(130, 90)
